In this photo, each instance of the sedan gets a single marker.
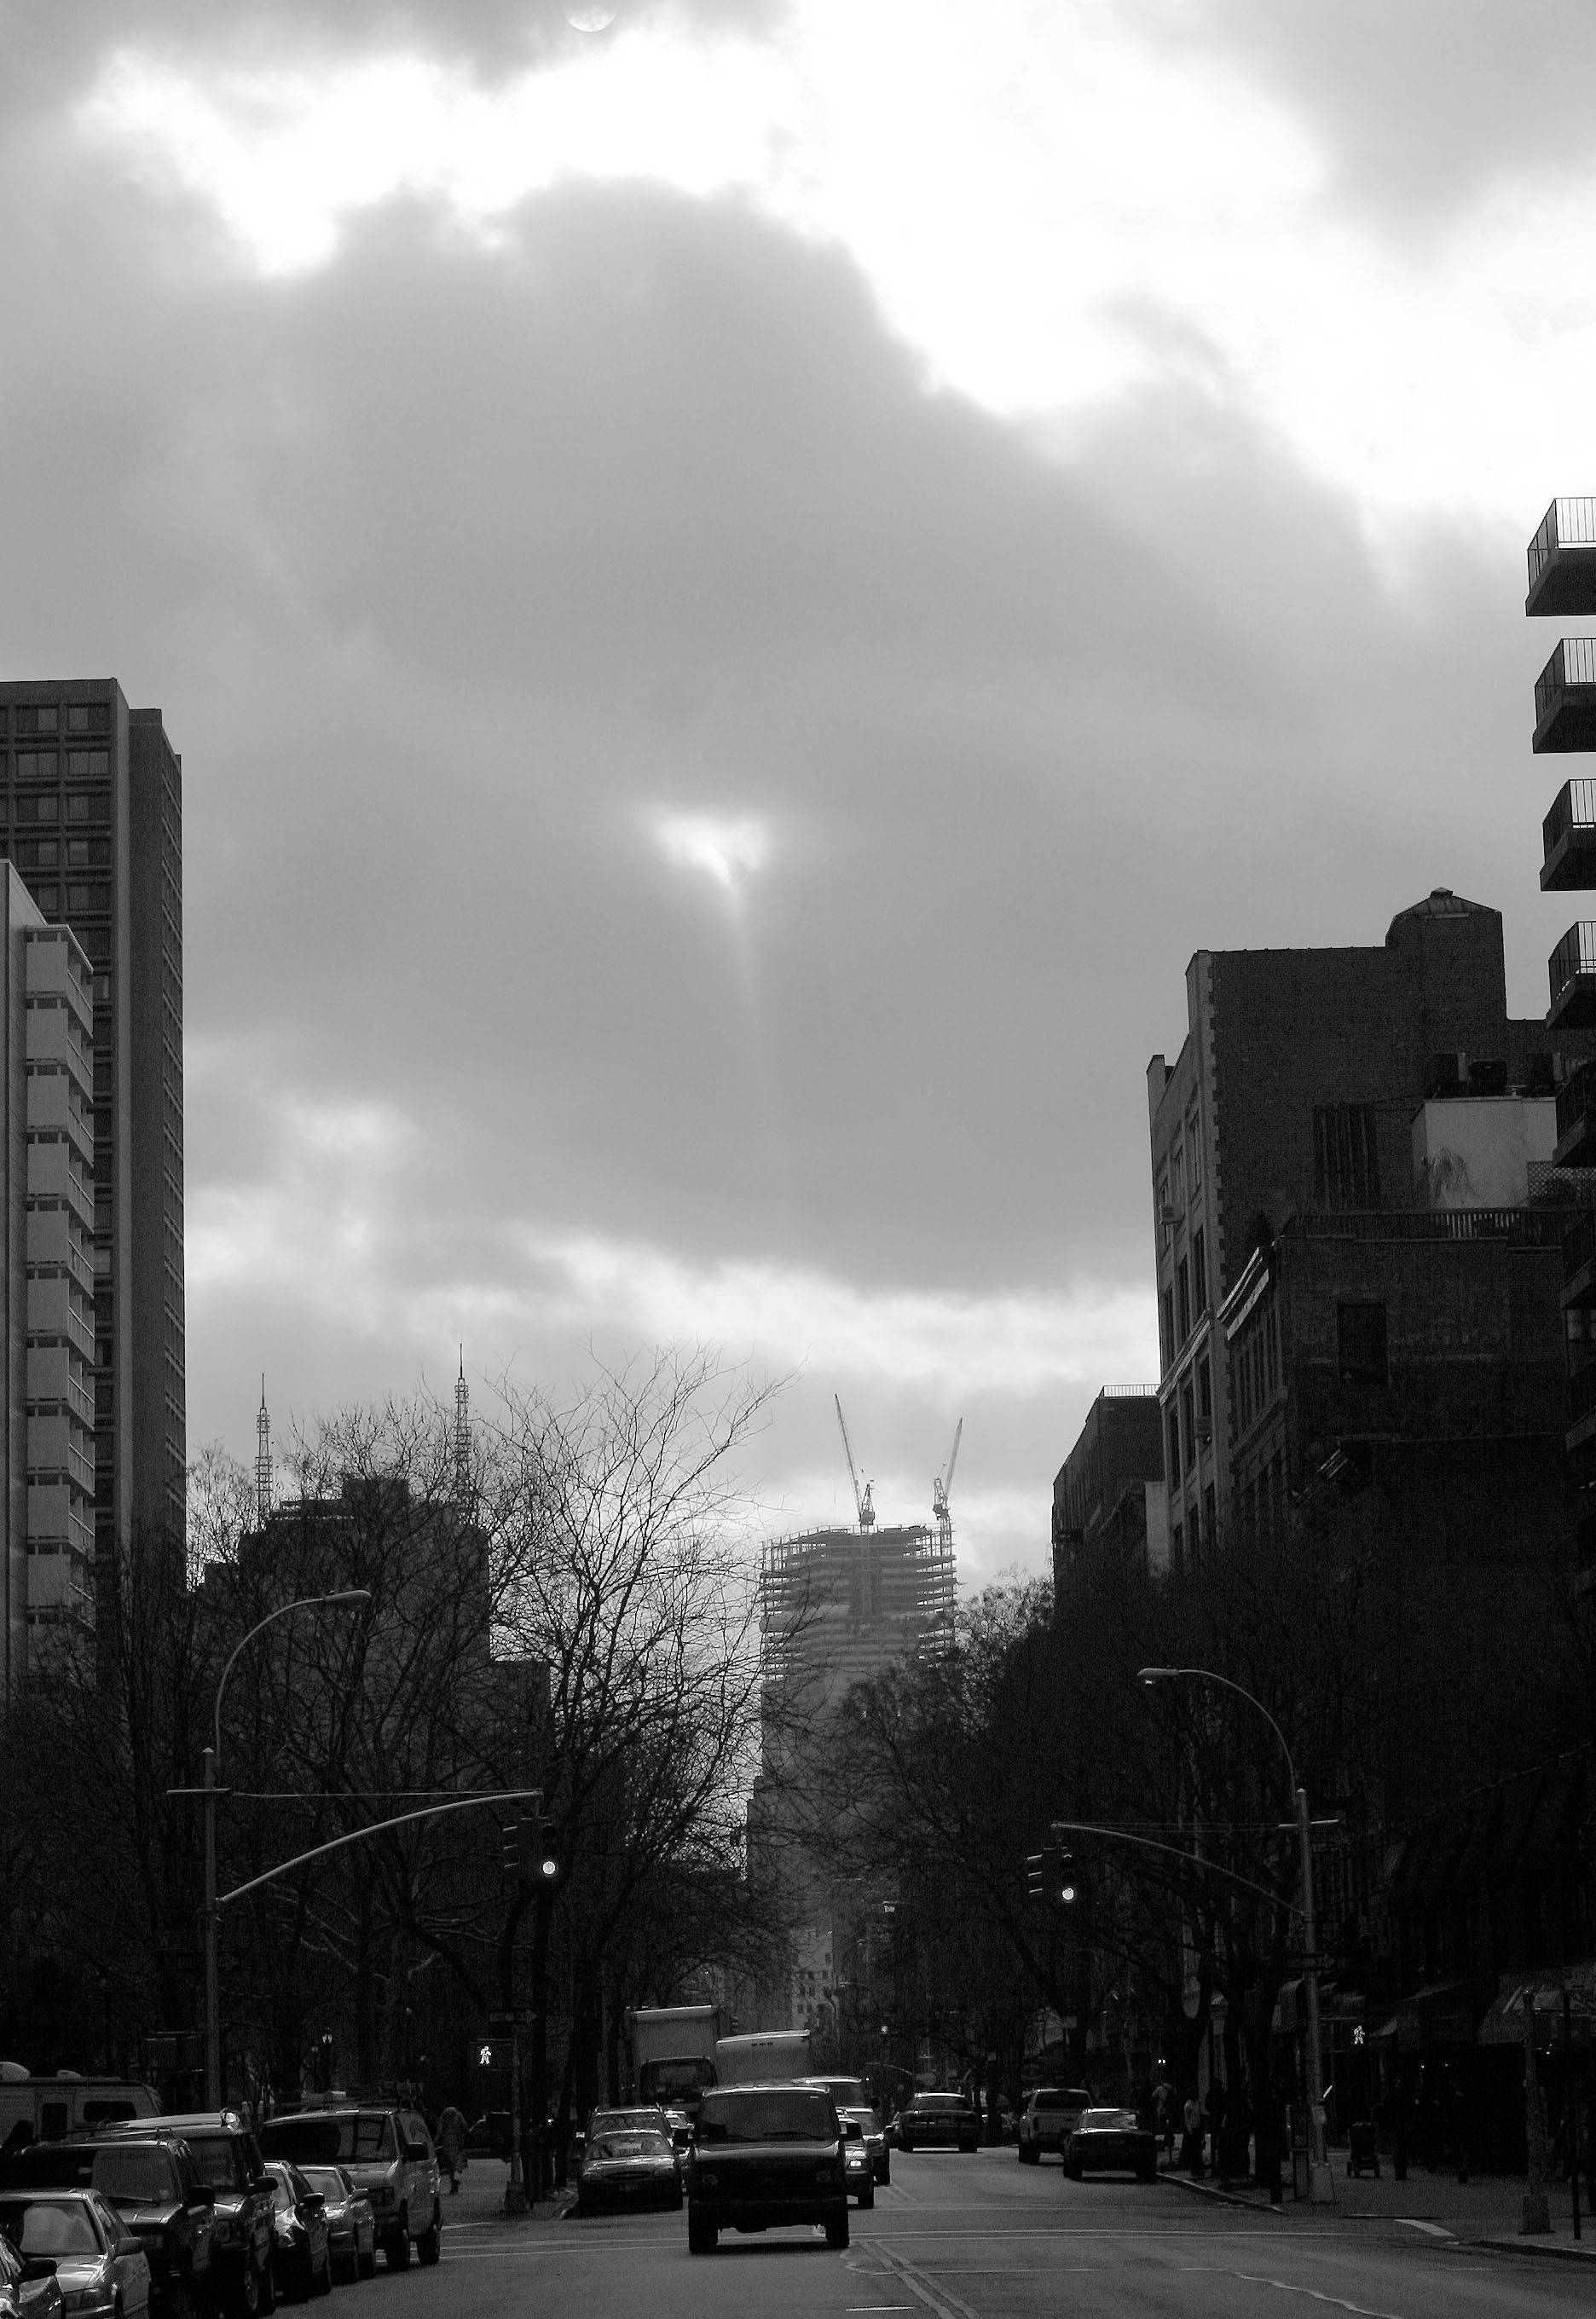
(301, 2253)
(624, 2167)
(1109, 2142)
(100, 2267)
(351, 2226)
(932, 2118)
(27, 2286)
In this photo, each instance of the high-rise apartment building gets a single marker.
(46, 1344)
(92, 794)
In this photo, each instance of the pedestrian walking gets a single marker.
(451, 2145)
(1190, 2149)
(1164, 2116)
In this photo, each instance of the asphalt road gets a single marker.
(978, 2238)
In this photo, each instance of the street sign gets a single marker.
(505, 2024)
(1300, 1960)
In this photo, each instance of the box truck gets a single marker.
(673, 2054)
(768, 2056)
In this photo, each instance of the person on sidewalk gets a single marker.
(451, 2145)
(1192, 2149)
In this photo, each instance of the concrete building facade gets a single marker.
(92, 794)
(47, 1348)
(1296, 1090)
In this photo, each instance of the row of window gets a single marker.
(33, 719)
(1255, 1367)
(87, 901)
(1181, 1178)
(82, 805)
(1185, 1301)
(49, 765)
(1186, 1536)
(1189, 1423)
(49, 852)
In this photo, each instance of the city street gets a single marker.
(979, 2238)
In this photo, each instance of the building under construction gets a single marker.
(837, 1606)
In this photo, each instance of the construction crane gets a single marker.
(862, 1499)
(941, 1490)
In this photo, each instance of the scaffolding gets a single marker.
(840, 1604)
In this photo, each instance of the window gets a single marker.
(77, 808)
(1204, 1391)
(1272, 1350)
(77, 716)
(1188, 1433)
(1177, 1175)
(1174, 1474)
(1177, 1544)
(1345, 1163)
(88, 765)
(1168, 1321)
(1360, 1344)
(1208, 1515)
(1200, 1271)
(1182, 1301)
(1193, 1154)
(35, 764)
(1238, 1388)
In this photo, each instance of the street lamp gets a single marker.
(1320, 2182)
(213, 1757)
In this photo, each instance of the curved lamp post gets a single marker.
(1321, 2184)
(349, 1594)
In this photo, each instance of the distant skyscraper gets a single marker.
(46, 1344)
(93, 796)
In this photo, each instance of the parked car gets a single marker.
(153, 2185)
(932, 2119)
(853, 2099)
(1109, 2142)
(763, 2157)
(228, 2160)
(99, 2265)
(29, 2289)
(388, 2154)
(351, 2226)
(302, 2244)
(628, 2161)
(1049, 2119)
(489, 2136)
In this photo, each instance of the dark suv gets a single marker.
(387, 2153)
(224, 2151)
(762, 2157)
(155, 2187)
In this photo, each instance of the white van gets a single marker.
(67, 2104)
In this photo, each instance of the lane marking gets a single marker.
(1435, 2230)
(941, 2300)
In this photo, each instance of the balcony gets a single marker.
(1563, 560)
(1576, 1119)
(1568, 841)
(1566, 699)
(1571, 976)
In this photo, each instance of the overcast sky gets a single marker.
(737, 592)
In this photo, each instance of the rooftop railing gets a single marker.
(1526, 1227)
(1574, 955)
(1574, 1098)
(1574, 808)
(1568, 523)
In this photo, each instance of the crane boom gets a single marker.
(862, 1504)
(952, 1459)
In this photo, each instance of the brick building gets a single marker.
(1296, 1090)
(1108, 1495)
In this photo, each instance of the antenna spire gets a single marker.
(262, 1460)
(462, 1433)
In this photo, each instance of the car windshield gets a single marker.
(637, 2142)
(363, 2140)
(848, 2093)
(136, 2178)
(939, 2101)
(1099, 2121)
(55, 2226)
(782, 2115)
(329, 2181)
(623, 2121)
(213, 2156)
(1047, 2101)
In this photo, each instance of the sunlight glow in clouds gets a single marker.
(727, 852)
(1054, 207)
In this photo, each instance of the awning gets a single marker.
(1543, 1992)
(1438, 2015)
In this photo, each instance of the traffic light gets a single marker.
(537, 1848)
(1066, 1884)
(324, 2062)
(1050, 1876)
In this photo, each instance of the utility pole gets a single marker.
(212, 1991)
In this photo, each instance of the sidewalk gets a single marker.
(1485, 2211)
(479, 2203)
